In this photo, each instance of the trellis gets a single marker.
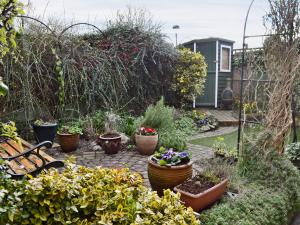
(256, 80)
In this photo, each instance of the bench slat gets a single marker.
(37, 162)
(28, 166)
(47, 157)
(25, 164)
(14, 165)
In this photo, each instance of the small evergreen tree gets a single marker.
(190, 74)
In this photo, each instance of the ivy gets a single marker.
(9, 9)
(61, 81)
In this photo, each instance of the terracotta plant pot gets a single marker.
(146, 144)
(204, 199)
(163, 177)
(110, 143)
(68, 142)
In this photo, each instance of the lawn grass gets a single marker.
(229, 139)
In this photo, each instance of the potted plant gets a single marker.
(146, 140)
(168, 168)
(44, 130)
(224, 151)
(202, 190)
(68, 137)
(110, 141)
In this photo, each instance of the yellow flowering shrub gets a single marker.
(89, 196)
(190, 74)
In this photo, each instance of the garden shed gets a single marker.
(218, 55)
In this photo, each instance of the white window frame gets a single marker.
(221, 59)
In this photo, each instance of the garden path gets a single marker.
(217, 132)
(225, 117)
(125, 158)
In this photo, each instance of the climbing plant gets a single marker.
(127, 64)
(282, 66)
(9, 9)
(61, 81)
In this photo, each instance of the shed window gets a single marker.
(225, 58)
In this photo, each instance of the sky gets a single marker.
(196, 18)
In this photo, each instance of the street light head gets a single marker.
(176, 27)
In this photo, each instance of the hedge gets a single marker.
(82, 195)
(270, 195)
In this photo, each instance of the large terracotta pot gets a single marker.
(68, 142)
(110, 143)
(163, 177)
(204, 199)
(146, 144)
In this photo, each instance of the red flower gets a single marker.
(149, 130)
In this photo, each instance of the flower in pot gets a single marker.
(44, 130)
(146, 140)
(110, 141)
(168, 168)
(202, 190)
(68, 137)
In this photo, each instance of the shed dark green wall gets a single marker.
(207, 48)
(222, 83)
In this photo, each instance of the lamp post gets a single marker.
(176, 27)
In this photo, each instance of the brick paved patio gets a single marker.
(127, 158)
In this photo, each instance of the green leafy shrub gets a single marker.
(9, 130)
(292, 151)
(10, 192)
(159, 116)
(83, 195)
(190, 74)
(222, 149)
(185, 125)
(203, 121)
(93, 124)
(128, 125)
(271, 193)
(70, 129)
(259, 205)
(172, 139)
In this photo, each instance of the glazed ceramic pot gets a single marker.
(204, 199)
(167, 177)
(68, 142)
(146, 144)
(44, 132)
(110, 143)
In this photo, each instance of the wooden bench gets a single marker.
(29, 160)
